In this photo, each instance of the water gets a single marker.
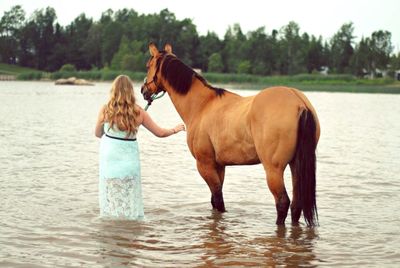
(48, 190)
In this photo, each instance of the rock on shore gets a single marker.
(73, 81)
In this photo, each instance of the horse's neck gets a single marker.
(190, 105)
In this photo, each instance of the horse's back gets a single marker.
(281, 103)
(278, 106)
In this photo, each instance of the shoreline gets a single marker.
(393, 88)
(322, 87)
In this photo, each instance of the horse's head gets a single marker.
(152, 82)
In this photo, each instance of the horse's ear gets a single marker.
(168, 48)
(153, 50)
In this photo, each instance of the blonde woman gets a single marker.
(120, 194)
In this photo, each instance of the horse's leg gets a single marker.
(277, 187)
(211, 174)
(217, 200)
(295, 206)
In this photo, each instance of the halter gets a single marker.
(160, 88)
(154, 97)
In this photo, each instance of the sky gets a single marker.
(315, 17)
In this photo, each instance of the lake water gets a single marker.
(48, 190)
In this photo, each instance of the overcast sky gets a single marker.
(316, 17)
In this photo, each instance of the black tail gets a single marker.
(305, 166)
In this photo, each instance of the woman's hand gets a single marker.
(178, 128)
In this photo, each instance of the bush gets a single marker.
(30, 76)
(68, 68)
(63, 74)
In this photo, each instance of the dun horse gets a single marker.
(276, 127)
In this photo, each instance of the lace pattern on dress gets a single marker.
(121, 198)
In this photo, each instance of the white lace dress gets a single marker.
(120, 190)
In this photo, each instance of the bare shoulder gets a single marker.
(102, 112)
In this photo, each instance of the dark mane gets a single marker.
(180, 76)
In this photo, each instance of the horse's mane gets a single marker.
(180, 76)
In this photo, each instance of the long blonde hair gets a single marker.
(121, 110)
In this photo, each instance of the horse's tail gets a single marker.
(305, 166)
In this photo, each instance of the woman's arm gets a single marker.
(99, 131)
(156, 130)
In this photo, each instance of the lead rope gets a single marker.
(152, 98)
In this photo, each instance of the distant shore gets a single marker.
(304, 82)
(350, 88)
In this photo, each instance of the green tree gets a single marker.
(292, 49)
(342, 48)
(10, 26)
(37, 39)
(381, 49)
(360, 61)
(92, 48)
(244, 67)
(372, 53)
(119, 39)
(58, 56)
(128, 62)
(27, 51)
(129, 56)
(42, 36)
(112, 32)
(315, 55)
(395, 66)
(232, 53)
(262, 51)
(187, 43)
(215, 63)
(119, 55)
(208, 45)
(77, 34)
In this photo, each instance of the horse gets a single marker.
(276, 127)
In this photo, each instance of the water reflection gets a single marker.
(117, 241)
(291, 245)
(217, 244)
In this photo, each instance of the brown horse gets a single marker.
(276, 127)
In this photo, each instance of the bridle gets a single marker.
(160, 89)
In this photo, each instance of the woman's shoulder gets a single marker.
(102, 112)
(103, 107)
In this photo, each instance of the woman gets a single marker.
(120, 194)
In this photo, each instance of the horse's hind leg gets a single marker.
(295, 207)
(214, 177)
(277, 187)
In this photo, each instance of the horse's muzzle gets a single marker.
(145, 92)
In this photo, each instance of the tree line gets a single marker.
(119, 40)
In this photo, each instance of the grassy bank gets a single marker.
(393, 88)
(305, 82)
(8, 69)
(308, 82)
